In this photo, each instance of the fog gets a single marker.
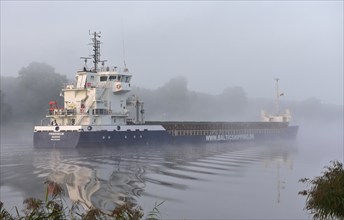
(214, 46)
(240, 177)
(25, 99)
(200, 61)
(190, 60)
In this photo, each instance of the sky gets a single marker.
(213, 44)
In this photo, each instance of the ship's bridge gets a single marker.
(118, 81)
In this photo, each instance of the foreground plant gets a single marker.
(53, 208)
(3, 212)
(155, 213)
(325, 198)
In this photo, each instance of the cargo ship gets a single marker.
(98, 110)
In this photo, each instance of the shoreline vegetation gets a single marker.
(55, 206)
(325, 193)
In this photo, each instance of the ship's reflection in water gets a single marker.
(105, 178)
(93, 180)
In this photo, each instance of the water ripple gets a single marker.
(105, 178)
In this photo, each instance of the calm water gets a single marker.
(201, 182)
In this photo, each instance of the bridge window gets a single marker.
(99, 111)
(103, 78)
(112, 78)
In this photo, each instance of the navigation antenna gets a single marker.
(125, 65)
(96, 48)
(85, 60)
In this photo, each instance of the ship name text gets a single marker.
(229, 137)
(56, 136)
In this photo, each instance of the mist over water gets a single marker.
(249, 180)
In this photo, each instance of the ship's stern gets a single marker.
(55, 137)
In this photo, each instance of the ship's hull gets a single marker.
(152, 133)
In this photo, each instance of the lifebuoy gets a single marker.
(118, 127)
(118, 86)
(57, 128)
(89, 128)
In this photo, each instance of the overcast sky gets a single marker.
(214, 45)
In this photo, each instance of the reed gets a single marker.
(54, 207)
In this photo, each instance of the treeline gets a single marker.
(173, 101)
(26, 97)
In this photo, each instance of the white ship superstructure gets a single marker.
(98, 97)
(278, 116)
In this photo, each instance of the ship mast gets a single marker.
(96, 49)
(277, 97)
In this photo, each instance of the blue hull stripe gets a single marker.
(74, 139)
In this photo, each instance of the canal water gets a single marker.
(217, 181)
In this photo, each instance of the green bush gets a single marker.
(325, 197)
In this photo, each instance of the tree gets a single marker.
(325, 198)
(170, 100)
(38, 83)
(232, 102)
(5, 109)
